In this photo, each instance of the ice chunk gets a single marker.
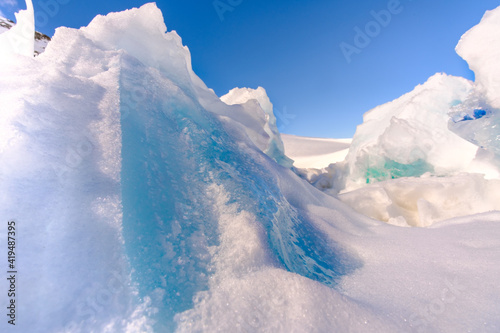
(410, 136)
(479, 113)
(141, 32)
(268, 140)
(480, 47)
(477, 119)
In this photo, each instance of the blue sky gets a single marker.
(297, 49)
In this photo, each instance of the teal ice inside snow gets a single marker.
(392, 170)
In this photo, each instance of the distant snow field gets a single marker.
(315, 152)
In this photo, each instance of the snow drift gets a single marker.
(147, 204)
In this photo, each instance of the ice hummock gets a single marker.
(265, 135)
(409, 136)
(406, 167)
(144, 205)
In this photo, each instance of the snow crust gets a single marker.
(144, 205)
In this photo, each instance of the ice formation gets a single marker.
(264, 134)
(479, 47)
(147, 204)
(477, 119)
(410, 137)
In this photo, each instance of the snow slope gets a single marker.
(145, 204)
(314, 152)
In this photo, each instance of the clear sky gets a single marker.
(319, 76)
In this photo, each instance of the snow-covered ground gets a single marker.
(146, 203)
